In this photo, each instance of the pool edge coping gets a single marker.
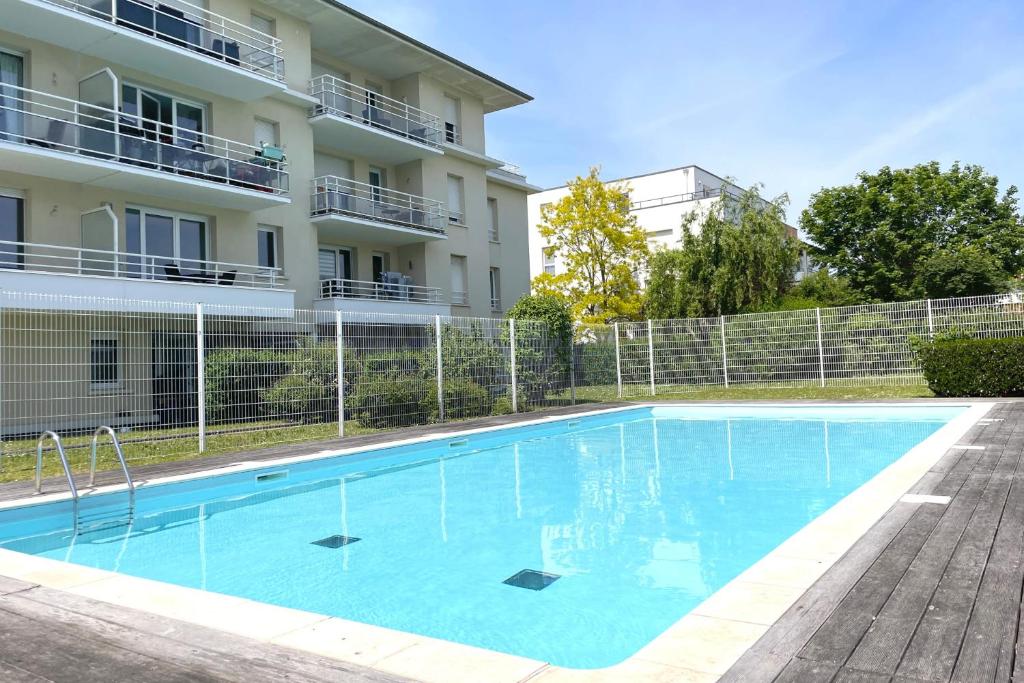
(701, 646)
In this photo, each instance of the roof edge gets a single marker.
(426, 48)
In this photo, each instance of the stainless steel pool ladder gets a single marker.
(120, 458)
(67, 470)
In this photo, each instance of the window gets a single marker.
(380, 263)
(460, 296)
(267, 249)
(266, 133)
(495, 289)
(169, 245)
(263, 24)
(456, 207)
(548, 256)
(104, 371)
(183, 122)
(452, 132)
(12, 228)
(11, 74)
(378, 182)
(492, 209)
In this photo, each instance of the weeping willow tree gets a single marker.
(738, 256)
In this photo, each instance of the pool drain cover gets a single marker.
(335, 541)
(532, 579)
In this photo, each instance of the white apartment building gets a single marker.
(280, 154)
(262, 156)
(658, 200)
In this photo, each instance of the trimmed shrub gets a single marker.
(301, 398)
(388, 401)
(463, 398)
(974, 367)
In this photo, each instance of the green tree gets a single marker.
(739, 256)
(593, 235)
(884, 231)
(819, 289)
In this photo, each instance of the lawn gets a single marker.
(145, 446)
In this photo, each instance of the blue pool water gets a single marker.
(641, 513)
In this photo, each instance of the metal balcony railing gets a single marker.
(192, 28)
(452, 133)
(30, 257)
(460, 298)
(340, 196)
(706, 193)
(350, 101)
(45, 121)
(396, 292)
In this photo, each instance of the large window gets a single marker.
(492, 211)
(12, 228)
(460, 295)
(187, 118)
(267, 249)
(169, 245)
(495, 289)
(11, 67)
(456, 206)
(104, 367)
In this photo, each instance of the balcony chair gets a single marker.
(175, 28)
(55, 130)
(373, 116)
(137, 16)
(227, 278)
(172, 272)
(226, 50)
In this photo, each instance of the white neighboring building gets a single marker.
(658, 200)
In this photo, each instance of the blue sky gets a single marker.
(793, 95)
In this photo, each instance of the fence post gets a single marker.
(821, 348)
(725, 362)
(201, 374)
(650, 352)
(339, 343)
(618, 362)
(931, 326)
(572, 371)
(512, 350)
(440, 369)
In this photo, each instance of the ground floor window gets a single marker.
(104, 362)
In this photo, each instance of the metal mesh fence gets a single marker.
(176, 380)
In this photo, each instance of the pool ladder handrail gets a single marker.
(67, 470)
(120, 459)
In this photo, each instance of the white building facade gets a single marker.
(659, 201)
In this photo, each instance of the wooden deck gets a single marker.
(931, 593)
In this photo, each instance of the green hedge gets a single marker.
(974, 367)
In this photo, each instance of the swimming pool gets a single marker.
(632, 518)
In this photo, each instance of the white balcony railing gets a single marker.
(460, 298)
(355, 103)
(452, 133)
(332, 195)
(45, 121)
(495, 304)
(456, 217)
(402, 291)
(30, 257)
(706, 193)
(192, 28)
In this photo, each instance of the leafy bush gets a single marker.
(237, 378)
(388, 401)
(974, 367)
(301, 398)
(463, 398)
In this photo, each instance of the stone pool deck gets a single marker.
(932, 592)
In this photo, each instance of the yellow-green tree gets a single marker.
(600, 249)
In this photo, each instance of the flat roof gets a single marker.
(644, 175)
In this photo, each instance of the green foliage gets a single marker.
(739, 256)
(551, 310)
(544, 332)
(897, 234)
(391, 400)
(600, 247)
(819, 289)
(299, 397)
(463, 398)
(974, 367)
(967, 272)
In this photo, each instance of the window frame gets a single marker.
(275, 234)
(118, 381)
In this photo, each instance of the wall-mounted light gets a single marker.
(54, 210)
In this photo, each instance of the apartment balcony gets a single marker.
(97, 276)
(398, 295)
(183, 43)
(55, 137)
(342, 208)
(364, 123)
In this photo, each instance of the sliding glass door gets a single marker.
(170, 246)
(12, 229)
(11, 120)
